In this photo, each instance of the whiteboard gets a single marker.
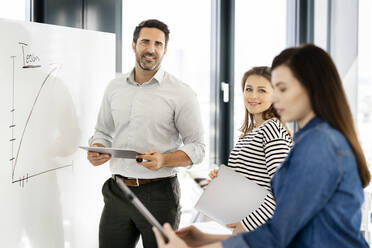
(52, 81)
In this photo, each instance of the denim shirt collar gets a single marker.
(311, 124)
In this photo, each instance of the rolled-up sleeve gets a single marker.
(189, 124)
(105, 126)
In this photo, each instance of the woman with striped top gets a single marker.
(263, 145)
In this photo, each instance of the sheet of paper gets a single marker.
(115, 152)
(230, 197)
(212, 227)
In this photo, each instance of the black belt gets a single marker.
(138, 181)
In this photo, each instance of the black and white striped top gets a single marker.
(257, 156)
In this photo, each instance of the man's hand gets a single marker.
(96, 158)
(155, 160)
(238, 227)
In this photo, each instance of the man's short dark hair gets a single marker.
(151, 23)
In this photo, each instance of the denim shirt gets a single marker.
(318, 193)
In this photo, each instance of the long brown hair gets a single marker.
(317, 73)
(249, 122)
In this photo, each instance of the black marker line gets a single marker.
(28, 119)
(23, 53)
(14, 159)
(43, 172)
(12, 111)
(24, 60)
(30, 66)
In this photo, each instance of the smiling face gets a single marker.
(257, 95)
(290, 98)
(149, 49)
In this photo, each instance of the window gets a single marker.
(364, 117)
(15, 10)
(260, 35)
(364, 103)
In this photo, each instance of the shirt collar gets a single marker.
(157, 78)
(159, 75)
(311, 124)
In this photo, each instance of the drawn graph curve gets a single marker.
(15, 155)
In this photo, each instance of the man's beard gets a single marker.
(143, 66)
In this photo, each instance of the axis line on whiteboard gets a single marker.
(14, 159)
(28, 119)
(21, 180)
(12, 126)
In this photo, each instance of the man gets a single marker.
(149, 111)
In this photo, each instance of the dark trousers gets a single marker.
(121, 223)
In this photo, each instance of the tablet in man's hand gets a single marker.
(114, 152)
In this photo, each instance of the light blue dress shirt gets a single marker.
(162, 114)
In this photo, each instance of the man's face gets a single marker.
(150, 48)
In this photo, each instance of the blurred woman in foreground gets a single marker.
(319, 187)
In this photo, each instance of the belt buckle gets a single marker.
(137, 182)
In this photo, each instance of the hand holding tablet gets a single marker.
(114, 152)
